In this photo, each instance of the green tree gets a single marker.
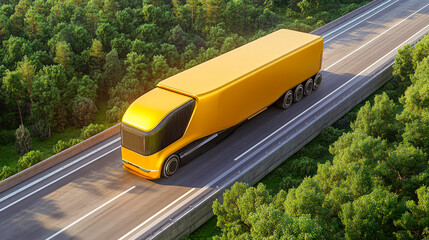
(34, 23)
(414, 223)
(211, 11)
(378, 120)
(420, 51)
(422, 70)
(371, 216)
(4, 22)
(87, 88)
(15, 49)
(416, 131)
(404, 170)
(47, 99)
(23, 140)
(96, 51)
(28, 72)
(124, 19)
(113, 72)
(306, 199)
(83, 110)
(110, 8)
(13, 86)
(17, 18)
(122, 45)
(304, 5)
(160, 68)
(228, 213)
(147, 32)
(403, 66)
(193, 5)
(106, 33)
(63, 54)
(137, 68)
(179, 38)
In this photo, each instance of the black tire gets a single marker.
(308, 87)
(285, 100)
(170, 166)
(298, 92)
(317, 81)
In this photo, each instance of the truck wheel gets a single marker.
(285, 100)
(308, 87)
(170, 166)
(317, 81)
(299, 91)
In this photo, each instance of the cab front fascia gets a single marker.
(145, 166)
(150, 166)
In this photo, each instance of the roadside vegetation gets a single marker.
(66, 64)
(364, 177)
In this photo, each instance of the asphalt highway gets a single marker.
(90, 196)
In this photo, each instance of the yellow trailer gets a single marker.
(164, 128)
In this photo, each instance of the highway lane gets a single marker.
(96, 198)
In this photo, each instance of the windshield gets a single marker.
(170, 129)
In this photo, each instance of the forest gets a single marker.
(365, 177)
(64, 63)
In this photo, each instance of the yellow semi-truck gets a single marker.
(188, 112)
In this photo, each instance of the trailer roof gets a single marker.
(226, 68)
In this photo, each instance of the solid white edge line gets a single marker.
(156, 214)
(56, 171)
(93, 211)
(287, 124)
(375, 38)
(355, 19)
(56, 180)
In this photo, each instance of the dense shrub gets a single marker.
(29, 159)
(303, 166)
(23, 140)
(7, 172)
(91, 130)
(115, 114)
(319, 150)
(41, 130)
(84, 110)
(61, 145)
(289, 182)
(330, 135)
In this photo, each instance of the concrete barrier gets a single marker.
(57, 158)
